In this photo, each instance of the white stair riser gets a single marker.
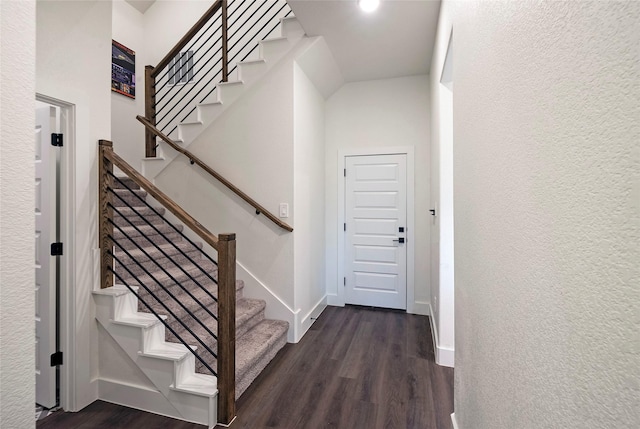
(112, 307)
(208, 112)
(250, 72)
(201, 409)
(152, 337)
(291, 29)
(272, 50)
(185, 367)
(161, 371)
(188, 132)
(230, 92)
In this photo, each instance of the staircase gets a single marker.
(159, 300)
(151, 251)
(243, 75)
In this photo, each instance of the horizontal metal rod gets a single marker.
(186, 51)
(213, 21)
(184, 325)
(164, 288)
(188, 36)
(164, 322)
(163, 269)
(216, 63)
(192, 88)
(162, 198)
(183, 235)
(213, 45)
(158, 264)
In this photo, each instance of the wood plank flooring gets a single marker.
(103, 415)
(356, 368)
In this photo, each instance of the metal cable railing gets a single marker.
(191, 72)
(184, 291)
(161, 267)
(232, 59)
(161, 319)
(156, 212)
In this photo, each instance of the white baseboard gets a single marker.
(332, 299)
(138, 397)
(421, 308)
(310, 317)
(454, 421)
(444, 356)
(276, 308)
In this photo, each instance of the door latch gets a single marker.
(399, 240)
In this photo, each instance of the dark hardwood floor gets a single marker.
(356, 368)
(103, 415)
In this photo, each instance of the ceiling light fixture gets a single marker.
(368, 5)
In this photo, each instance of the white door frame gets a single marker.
(397, 150)
(67, 308)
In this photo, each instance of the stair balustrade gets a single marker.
(123, 223)
(191, 71)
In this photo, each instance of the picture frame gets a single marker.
(123, 70)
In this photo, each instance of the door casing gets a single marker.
(410, 235)
(67, 204)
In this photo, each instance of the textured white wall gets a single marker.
(17, 222)
(308, 188)
(251, 144)
(546, 165)
(73, 64)
(380, 113)
(126, 132)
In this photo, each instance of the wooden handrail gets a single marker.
(160, 196)
(186, 38)
(260, 209)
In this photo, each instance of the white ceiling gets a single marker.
(395, 40)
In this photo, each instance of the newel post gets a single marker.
(149, 110)
(226, 328)
(225, 40)
(105, 212)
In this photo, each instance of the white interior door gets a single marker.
(45, 264)
(376, 219)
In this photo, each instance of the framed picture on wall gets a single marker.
(123, 70)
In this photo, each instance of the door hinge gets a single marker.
(56, 139)
(345, 172)
(56, 249)
(56, 359)
(345, 226)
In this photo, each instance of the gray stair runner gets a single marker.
(159, 261)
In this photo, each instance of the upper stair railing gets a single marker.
(192, 69)
(135, 272)
(195, 160)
